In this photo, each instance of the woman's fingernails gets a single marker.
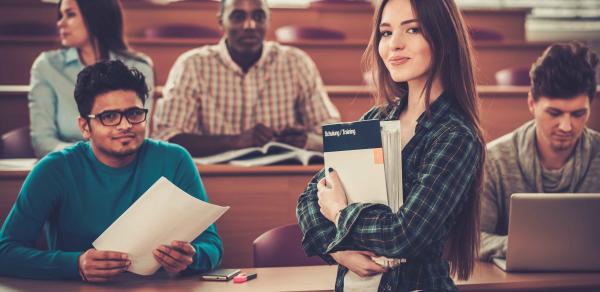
(331, 169)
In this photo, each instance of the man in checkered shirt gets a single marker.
(244, 91)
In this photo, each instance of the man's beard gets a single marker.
(561, 146)
(121, 153)
(125, 153)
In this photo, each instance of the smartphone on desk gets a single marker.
(220, 275)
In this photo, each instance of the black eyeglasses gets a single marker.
(112, 118)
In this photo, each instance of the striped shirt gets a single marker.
(439, 165)
(207, 93)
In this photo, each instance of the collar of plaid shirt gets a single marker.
(265, 57)
(427, 119)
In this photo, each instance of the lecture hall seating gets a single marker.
(503, 108)
(282, 247)
(338, 61)
(516, 76)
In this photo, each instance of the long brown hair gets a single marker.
(444, 29)
(104, 22)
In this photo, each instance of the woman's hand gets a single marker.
(332, 197)
(359, 262)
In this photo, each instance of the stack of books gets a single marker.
(367, 156)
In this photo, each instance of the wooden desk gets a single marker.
(354, 19)
(316, 278)
(503, 108)
(14, 112)
(509, 22)
(338, 61)
(18, 54)
(261, 198)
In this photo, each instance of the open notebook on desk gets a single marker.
(270, 153)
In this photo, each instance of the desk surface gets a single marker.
(275, 201)
(334, 91)
(487, 277)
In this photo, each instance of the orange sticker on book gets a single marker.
(378, 155)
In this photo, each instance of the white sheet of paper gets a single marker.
(162, 214)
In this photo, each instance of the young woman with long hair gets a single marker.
(420, 58)
(89, 31)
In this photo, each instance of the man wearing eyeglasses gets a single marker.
(76, 193)
(244, 91)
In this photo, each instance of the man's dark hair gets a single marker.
(564, 71)
(103, 77)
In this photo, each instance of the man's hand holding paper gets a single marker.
(101, 266)
(176, 257)
(145, 231)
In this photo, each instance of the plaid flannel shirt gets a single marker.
(439, 165)
(207, 93)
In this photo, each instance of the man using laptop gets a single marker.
(76, 193)
(553, 153)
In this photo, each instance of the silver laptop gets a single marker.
(553, 232)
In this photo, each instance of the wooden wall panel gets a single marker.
(354, 19)
(339, 62)
(502, 108)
